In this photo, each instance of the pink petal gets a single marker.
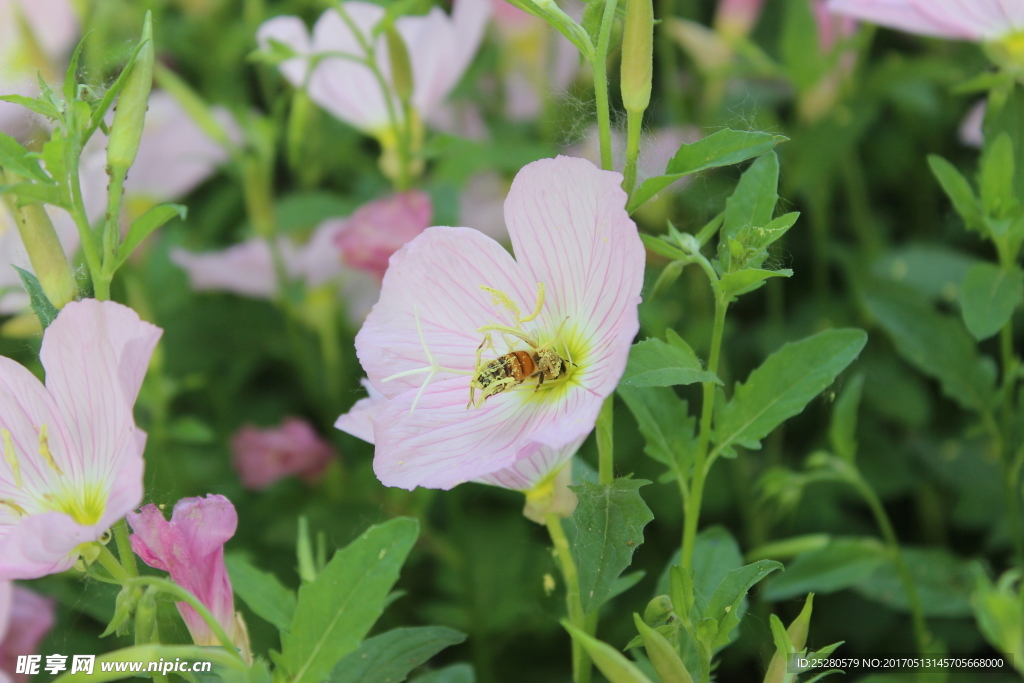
(264, 456)
(54, 25)
(31, 617)
(526, 473)
(6, 597)
(570, 230)
(44, 543)
(290, 31)
(246, 269)
(378, 229)
(957, 19)
(358, 421)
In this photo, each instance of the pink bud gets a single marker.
(737, 18)
(378, 229)
(191, 549)
(25, 619)
(263, 456)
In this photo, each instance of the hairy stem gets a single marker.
(581, 665)
(605, 444)
(633, 124)
(124, 548)
(600, 66)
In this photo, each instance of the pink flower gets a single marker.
(263, 456)
(377, 230)
(72, 455)
(568, 300)
(972, 128)
(831, 28)
(25, 619)
(191, 549)
(440, 47)
(737, 18)
(978, 20)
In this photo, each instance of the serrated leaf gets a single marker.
(842, 564)
(39, 106)
(653, 363)
(988, 296)
(724, 606)
(389, 657)
(935, 343)
(41, 306)
(959, 192)
(262, 592)
(144, 225)
(18, 160)
(336, 610)
(610, 521)
(743, 281)
(752, 203)
(666, 425)
(784, 384)
(722, 148)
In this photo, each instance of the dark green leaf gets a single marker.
(842, 564)
(262, 592)
(336, 610)
(456, 673)
(944, 583)
(784, 384)
(653, 363)
(44, 310)
(934, 270)
(800, 47)
(724, 606)
(665, 423)
(997, 174)
(959, 191)
(610, 522)
(752, 204)
(743, 281)
(988, 297)
(389, 657)
(842, 432)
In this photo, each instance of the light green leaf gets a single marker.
(665, 423)
(842, 564)
(610, 521)
(842, 432)
(784, 384)
(935, 343)
(752, 203)
(988, 297)
(18, 160)
(336, 610)
(661, 247)
(997, 173)
(724, 606)
(653, 363)
(39, 106)
(262, 592)
(959, 192)
(743, 281)
(389, 657)
(144, 225)
(609, 661)
(662, 654)
(723, 148)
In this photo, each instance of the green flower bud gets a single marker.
(658, 611)
(662, 654)
(132, 103)
(401, 67)
(637, 55)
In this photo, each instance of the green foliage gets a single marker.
(610, 662)
(988, 297)
(41, 306)
(666, 425)
(335, 611)
(653, 363)
(391, 656)
(262, 592)
(842, 564)
(609, 521)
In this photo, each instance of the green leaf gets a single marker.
(661, 247)
(1008, 117)
(752, 204)
(262, 592)
(662, 654)
(934, 270)
(743, 281)
(784, 384)
(935, 343)
(39, 106)
(944, 583)
(799, 45)
(997, 174)
(724, 606)
(610, 521)
(653, 363)
(959, 192)
(842, 432)
(18, 160)
(336, 610)
(842, 564)
(456, 673)
(988, 297)
(389, 657)
(36, 193)
(144, 225)
(664, 420)
(609, 661)
(41, 306)
(723, 148)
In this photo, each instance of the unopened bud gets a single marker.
(664, 657)
(130, 116)
(401, 67)
(146, 618)
(637, 55)
(658, 611)
(46, 254)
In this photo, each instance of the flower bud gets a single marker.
(637, 55)
(132, 103)
(46, 254)
(659, 611)
(401, 67)
(662, 654)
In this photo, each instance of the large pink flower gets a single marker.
(979, 20)
(190, 548)
(575, 245)
(440, 47)
(72, 455)
(25, 619)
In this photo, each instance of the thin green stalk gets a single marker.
(600, 66)
(921, 634)
(112, 226)
(124, 548)
(85, 233)
(112, 565)
(605, 444)
(634, 121)
(581, 665)
(691, 513)
(182, 595)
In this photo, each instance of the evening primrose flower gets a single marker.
(264, 456)
(72, 455)
(977, 20)
(454, 303)
(440, 48)
(25, 619)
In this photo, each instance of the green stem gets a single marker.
(581, 665)
(182, 595)
(112, 224)
(605, 443)
(634, 119)
(921, 634)
(600, 66)
(124, 548)
(111, 564)
(691, 512)
(89, 247)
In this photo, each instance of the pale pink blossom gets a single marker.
(265, 456)
(369, 237)
(25, 619)
(972, 128)
(737, 18)
(977, 20)
(832, 28)
(482, 204)
(190, 547)
(578, 268)
(440, 48)
(72, 454)
(358, 421)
